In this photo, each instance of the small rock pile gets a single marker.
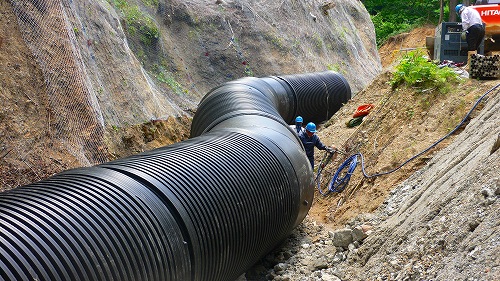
(311, 253)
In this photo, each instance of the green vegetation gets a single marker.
(340, 68)
(333, 67)
(416, 71)
(397, 16)
(248, 71)
(410, 112)
(318, 41)
(139, 22)
(151, 3)
(276, 41)
(168, 78)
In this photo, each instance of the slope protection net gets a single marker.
(75, 118)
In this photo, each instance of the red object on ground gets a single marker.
(363, 110)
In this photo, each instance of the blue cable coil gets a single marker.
(337, 184)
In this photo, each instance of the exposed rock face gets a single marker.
(259, 38)
(443, 222)
(140, 61)
(114, 65)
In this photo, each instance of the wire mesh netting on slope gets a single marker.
(75, 118)
(93, 68)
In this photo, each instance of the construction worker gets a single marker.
(298, 124)
(310, 140)
(473, 27)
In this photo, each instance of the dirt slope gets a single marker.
(402, 124)
(397, 46)
(437, 222)
(443, 223)
(24, 129)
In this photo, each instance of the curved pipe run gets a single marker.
(204, 209)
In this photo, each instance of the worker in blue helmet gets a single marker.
(298, 124)
(310, 140)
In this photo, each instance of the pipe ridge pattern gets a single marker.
(204, 209)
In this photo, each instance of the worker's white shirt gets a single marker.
(294, 128)
(470, 17)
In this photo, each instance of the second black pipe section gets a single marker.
(204, 209)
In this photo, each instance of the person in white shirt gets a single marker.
(472, 25)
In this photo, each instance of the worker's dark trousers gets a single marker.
(475, 35)
(311, 159)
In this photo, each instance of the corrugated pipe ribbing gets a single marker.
(207, 208)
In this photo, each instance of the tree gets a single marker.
(453, 15)
(441, 11)
(397, 16)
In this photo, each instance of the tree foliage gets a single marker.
(397, 16)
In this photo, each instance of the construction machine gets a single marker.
(448, 44)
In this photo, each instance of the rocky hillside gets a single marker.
(436, 218)
(106, 79)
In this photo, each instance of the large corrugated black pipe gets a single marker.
(204, 209)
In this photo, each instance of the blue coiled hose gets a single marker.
(337, 184)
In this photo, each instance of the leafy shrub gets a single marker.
(416, 71)
(151, 3)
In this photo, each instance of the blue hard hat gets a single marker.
(299, 119)
(457, 8)
(311, 127)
